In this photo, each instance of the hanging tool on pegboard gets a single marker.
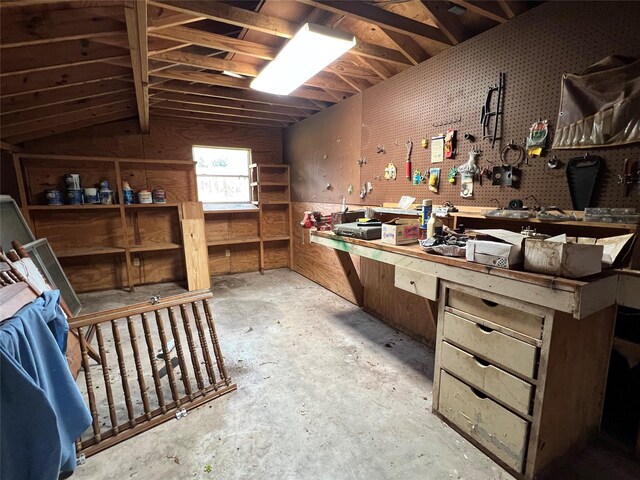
(407, 161)
(486, 113)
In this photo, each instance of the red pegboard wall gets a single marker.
(534, 50)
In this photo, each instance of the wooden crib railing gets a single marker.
(127, 393)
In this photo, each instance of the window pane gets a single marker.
(221, 161)
(223, 189)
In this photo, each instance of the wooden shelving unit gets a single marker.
(248, 239)
(124, 232)
(271, 192)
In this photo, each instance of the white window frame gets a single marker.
(250, 153)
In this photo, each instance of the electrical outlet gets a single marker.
(136, 262)
(227, 253)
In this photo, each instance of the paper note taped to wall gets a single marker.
(437, 149)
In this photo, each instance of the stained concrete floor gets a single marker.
(325, 391)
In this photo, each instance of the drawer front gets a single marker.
(494, 427)
(523, 322)
(416, 282)
(494, 346)
(492, 380)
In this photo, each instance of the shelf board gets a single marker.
(80, 158)
(85, 252)
(276, 239)
(239, 210)
(154, 247)
(234, 241)
(274, 184)
(275, 166)
(279, 202)
(153, 205)
(88, 206)
(622, 226)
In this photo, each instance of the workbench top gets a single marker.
(577, 296)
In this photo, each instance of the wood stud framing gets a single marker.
(67, 65)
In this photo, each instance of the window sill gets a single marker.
(229, 207)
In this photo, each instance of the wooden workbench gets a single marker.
(521, 358)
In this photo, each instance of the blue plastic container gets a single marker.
(54, 197)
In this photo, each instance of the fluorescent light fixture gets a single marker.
(309, 51)
(231, 74)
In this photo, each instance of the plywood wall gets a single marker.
(325, 151)
(534, 50)
(170, 138)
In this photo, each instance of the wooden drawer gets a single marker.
(417, 282)
(523, 322)
(493, 381)
(498, 348)
(494, 427)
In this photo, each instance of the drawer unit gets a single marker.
(416, 282)
(520, 321)
(494, 427)
(506, 388)
(496, 347)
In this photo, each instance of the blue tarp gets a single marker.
(41, 410)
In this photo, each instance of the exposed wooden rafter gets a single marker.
(71, 93)
(103, 115)
(445, 20)
(382, 18)
(489, 10)
(21, 29)
(241, 95)
(210, 63)
(136, 16)
(232, 104)
(407, 46)
(208, 117)
(72, 64)
(240, 17)
(226, 81)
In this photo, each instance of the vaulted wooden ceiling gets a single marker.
(68, 64)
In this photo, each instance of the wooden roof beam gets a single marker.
(72, 93)
(382, 18)
(67, 127)
(259, 22)
(136, 16)
(407, 46)
(231, 112)
(444, 19)
(210, 63)
(240, 95)
(10, 148)
(60, 78)
(215, 118)
(240, 17)
(39, 123)
(216, 42)
(512, 8)
(231, 104)
(53, 111)
(486, 9)
(21, 29)
(18, 61)
(226, 81)
(169, 18)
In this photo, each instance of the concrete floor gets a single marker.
(325, 391)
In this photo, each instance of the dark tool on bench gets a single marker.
(487, 114)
